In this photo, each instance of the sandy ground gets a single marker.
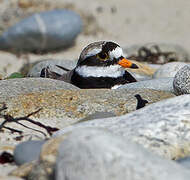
(124, 21)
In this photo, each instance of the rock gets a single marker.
(35, 71)
(44, 167)
(162, 84)
(184, 162)
(157, 53)
(43, 32)
(60, 108)
(93, 154)
(168, 69)
(27, 151)
(181, 81)
(162, 127)
(23, 170)
(79, 103)
(13, 87)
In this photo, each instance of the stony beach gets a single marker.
(53, 130)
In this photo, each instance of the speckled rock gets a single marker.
(162, 127)
(98, 154)
(157, 53)
(27, 151)
(80, 103)
(18, 86)
(35, 71)
(168, 69)
(42, 32)
(181, 81)
(162, 84)
(60, 108)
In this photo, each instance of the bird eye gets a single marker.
(102, 56)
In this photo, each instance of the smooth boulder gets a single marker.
(43, 31)
(90, 153)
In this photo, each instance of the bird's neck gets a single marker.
(91, 82)
(113, 71)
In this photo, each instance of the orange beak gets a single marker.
(127, 63)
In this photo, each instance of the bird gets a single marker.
(101, 64)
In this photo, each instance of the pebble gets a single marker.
(161, 127)
(168, 69)
(43, 31)
(27, 151)
(181, 81)
(162, 84)
(35, 71)
(90, 153)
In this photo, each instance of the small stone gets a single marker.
(22, 171)
(44, 167)
(27, 151)
(169, 69)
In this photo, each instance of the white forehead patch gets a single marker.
(93, 52)
(96, 71)
(116, 53)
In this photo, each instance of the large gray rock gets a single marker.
(98, 154)
(181, 81)
(43, 31)
(162, 84)
(27, 151)
(18, 86)
(35, 71)
(162, 127)
(168, 69)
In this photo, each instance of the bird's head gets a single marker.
(103, 58)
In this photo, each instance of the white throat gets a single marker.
(96, 71)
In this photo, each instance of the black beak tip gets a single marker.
(134, 66)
